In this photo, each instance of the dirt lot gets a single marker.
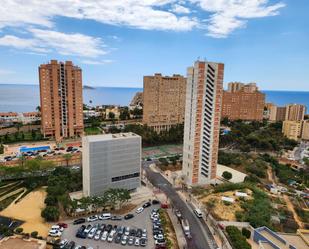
(221, 210)
(29, 210)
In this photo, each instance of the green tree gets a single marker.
(227, 175)
(67, 158)
(124, 113)
(111, 115)
(50, 214)
(51, 200)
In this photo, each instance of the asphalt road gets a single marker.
(199, 230)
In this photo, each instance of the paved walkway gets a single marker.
(291, 208)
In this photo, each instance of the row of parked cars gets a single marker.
(66, 244)
(157, 230)
(109, 233)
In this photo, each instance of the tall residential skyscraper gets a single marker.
(243, 101)
(202, 121)
(61, 100)
(295, 112)
(164, 101)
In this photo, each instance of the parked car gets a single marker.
(105, 216)
(136, 243)
(80, 232)
(63, 243)
(97, 235)
(92, 218)
(139, 210)
(118, 238)
(143, 242)
(147, 204)
(79, 221)
(127, 231)
(124, 240)
(164, 205)
(160, 242)
(54, 233)
(63, 225)
(131, 241)
(88, 228)
(128, 216)
(154, 202)
(104, 236)
(92, 233)
(116, 217)
(158, 236)
(71, 245)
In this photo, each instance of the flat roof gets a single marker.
(106, 137)
(295, 240)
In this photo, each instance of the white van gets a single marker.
(198, 213)
(105, 216)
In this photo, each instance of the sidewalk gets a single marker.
(182, 243)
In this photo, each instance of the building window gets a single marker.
(125, 177)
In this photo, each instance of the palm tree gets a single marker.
(67, 158)
(22, 159)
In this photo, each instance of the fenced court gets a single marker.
(161, 151)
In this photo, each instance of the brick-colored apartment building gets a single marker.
(243, 101)
(164, 101)
(61, 100)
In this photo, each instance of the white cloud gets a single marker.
(229, 15)
(44, 41)
(144, 14)
(179, 9)
(177, 15)
(97, 62)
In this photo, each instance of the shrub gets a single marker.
(19, 230)
(236, 238)
(245, 232)
(227, 175)
(34, 234)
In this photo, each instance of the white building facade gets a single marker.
(202, 122)
(111, 161)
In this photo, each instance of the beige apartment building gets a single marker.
(295, 112)
(164, 101)
(243, 101)
(305, 130)
(277, 113)
(202, 122)
(61, 100)
(292, 129)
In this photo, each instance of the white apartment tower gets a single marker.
(202, 121)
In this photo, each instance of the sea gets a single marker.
(25, 98)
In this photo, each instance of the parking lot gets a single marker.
(139, 221)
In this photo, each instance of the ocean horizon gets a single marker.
(25, 98)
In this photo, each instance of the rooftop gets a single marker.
(19, 243)
(106, 137)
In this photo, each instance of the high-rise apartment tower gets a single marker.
(164, 101)
(202, 121)
(61, 100)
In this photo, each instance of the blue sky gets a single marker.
(117, 42)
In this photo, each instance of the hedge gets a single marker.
(237, 240)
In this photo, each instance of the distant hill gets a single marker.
(88, 87)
